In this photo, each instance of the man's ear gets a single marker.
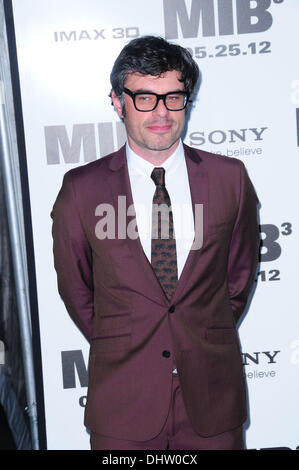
(117, 104)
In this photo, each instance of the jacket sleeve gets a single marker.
(244, 247)
(72, 258)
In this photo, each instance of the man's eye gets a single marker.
(174, 97)
(145, 97)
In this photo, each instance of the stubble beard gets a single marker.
(155, 143)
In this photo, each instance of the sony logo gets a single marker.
(219, 136)
(259, 357)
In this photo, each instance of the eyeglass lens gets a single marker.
(147, 102)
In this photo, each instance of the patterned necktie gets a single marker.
(163, 256)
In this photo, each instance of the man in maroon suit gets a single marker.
(160, 308)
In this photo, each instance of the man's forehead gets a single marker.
(170, 76)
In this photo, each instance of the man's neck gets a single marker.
(156, 157)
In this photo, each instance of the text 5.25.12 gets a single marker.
(225, 50)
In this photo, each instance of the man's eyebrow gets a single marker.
(142, 90)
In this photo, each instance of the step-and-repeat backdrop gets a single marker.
(247, 108)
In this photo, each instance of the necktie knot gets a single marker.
(158, 176)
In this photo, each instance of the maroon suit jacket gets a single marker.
(112, 294)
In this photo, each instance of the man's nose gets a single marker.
(161, 109)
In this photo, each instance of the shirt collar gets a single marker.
(139, 165)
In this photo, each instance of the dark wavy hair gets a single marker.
(152, 55)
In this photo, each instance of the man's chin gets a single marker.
(160, 146)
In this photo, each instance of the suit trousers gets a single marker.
(176, 434)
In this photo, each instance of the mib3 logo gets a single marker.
(72, 362)
(271, 248)
(86, 138)
(222, 17)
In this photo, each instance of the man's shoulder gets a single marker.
(213, 161)
(99, 168)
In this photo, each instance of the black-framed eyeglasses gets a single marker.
(148, 101)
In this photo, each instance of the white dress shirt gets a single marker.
(177, 185)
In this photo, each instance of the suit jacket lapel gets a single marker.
(119, 185)
(199, 188)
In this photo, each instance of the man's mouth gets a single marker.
(160, 128)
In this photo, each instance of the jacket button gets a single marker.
(171, 309)
(166, 353)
